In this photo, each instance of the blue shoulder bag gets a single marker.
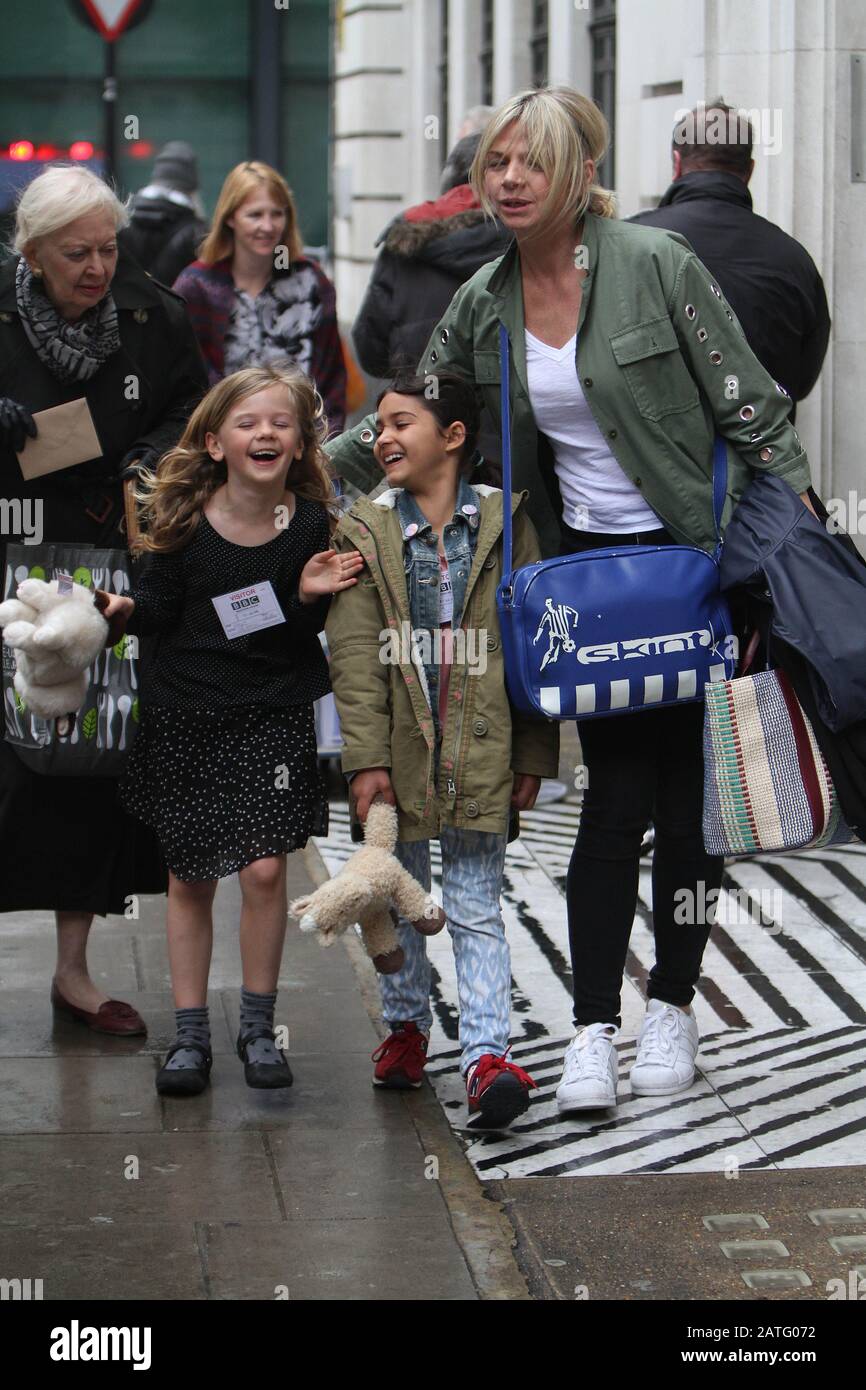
(602, 632)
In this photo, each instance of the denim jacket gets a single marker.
(421, 564)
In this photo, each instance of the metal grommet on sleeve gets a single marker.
(691, 311)
(434, 356)
(702, 335)
(766, 454)
(716, 359)
(443, 336)
(366, 436)
(782, 392)
(716, 291)
(756, 436)
(747, 412)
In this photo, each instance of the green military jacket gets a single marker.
(663, 363)
(379, 684)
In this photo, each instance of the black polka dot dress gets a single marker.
(224, 767)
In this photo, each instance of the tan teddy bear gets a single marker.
(363, 892)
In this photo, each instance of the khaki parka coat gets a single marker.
(663, 364)
(380, 689)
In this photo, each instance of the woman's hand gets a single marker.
(367, 785)
(526, 789)
(328, 573)
(117, 610)
(16, 423)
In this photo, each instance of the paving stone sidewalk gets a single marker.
(319, 1192)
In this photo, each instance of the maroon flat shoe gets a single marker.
(112, 1017)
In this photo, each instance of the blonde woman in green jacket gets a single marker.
(416, 668)
(625, 362)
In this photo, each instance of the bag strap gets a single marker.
(505, 376)
(720, 460)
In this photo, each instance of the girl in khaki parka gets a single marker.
(417, 672)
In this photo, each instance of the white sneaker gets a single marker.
(666, 1049)
(589, 1070)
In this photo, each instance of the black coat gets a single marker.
(159, 358)
(768, 278)
(839, 568)
(419, 269)
(817, 587)
(99, 853)
(163, 236)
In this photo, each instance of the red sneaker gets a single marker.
(497, 1091)
(401, 1058)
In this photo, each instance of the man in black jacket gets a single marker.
(426, 254)
(768, 278)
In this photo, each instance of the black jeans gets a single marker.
(640, 767)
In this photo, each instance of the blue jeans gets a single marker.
(472, 867)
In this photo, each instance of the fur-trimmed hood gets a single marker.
(453, 232)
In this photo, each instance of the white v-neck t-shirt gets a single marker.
(596, 494)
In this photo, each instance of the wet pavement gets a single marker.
(329, 1190)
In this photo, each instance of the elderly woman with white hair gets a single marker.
(76, 321)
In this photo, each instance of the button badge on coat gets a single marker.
(411, 530)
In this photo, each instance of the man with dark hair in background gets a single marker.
(768, 278)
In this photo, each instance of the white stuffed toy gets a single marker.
(56, 638)
(363, 892)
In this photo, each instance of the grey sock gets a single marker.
(193, 1025)
(257, 1012)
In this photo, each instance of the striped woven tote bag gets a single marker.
(767, 788)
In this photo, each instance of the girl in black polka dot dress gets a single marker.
(237, 585)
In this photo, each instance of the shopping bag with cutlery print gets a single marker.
(95, 742)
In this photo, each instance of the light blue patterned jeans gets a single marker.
(472, 867)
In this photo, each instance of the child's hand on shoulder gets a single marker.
(526, 789)
(329, 572)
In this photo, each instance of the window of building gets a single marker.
(602, 29)
(538, 43)
(485, 56)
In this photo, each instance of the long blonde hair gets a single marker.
(562, 130)
(244, 180)
(174, 496)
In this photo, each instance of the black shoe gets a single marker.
(184, 1081)
(264, 1076)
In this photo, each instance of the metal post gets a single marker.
(265, 106)
(109, 97)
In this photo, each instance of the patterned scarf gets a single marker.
(72, 351)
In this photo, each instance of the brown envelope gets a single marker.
(66, 436)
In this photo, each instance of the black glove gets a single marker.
(16, 423)
(132, 463)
